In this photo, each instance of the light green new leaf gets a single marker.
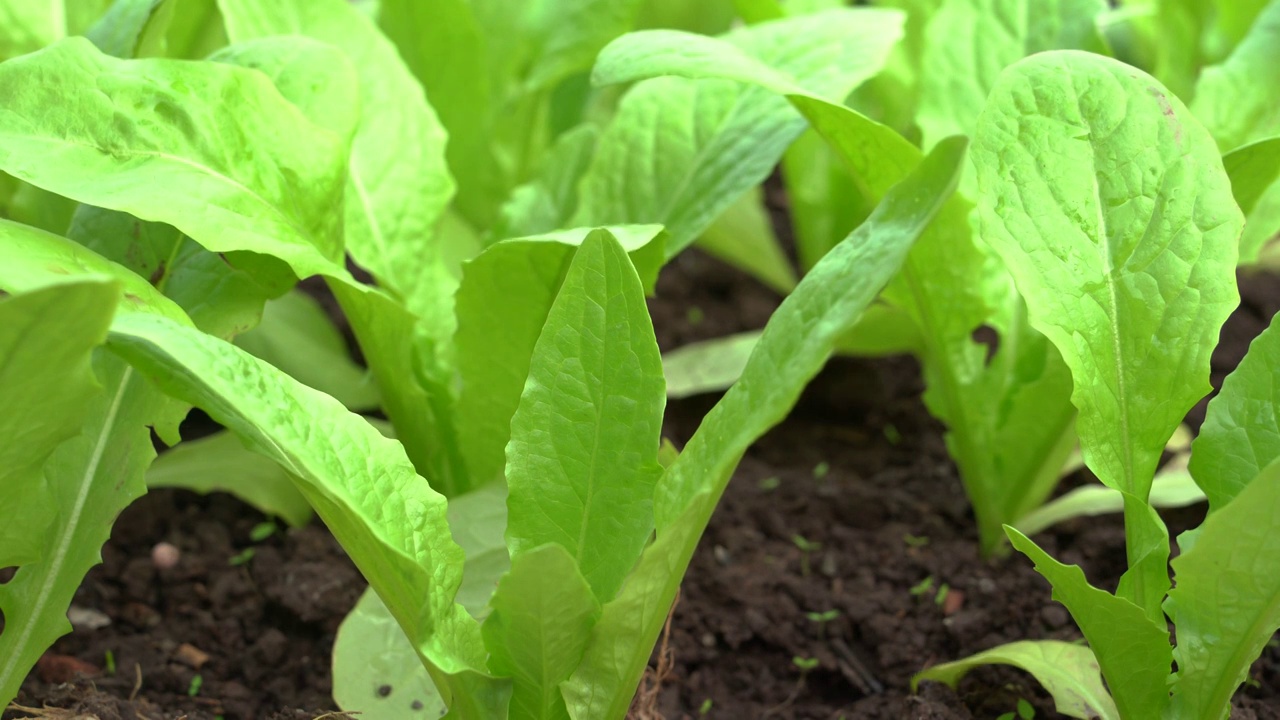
(1109, 205)
(743, 237)
(800, 337)
(709, 365)
(209, 148)
(29, 25)
(968, 42)
(297, 336)
(581, 464)
(546, 202)
(1239, 100)
(495, 341)
(46, 339)
(371, 653)
(444, 46)
(478, 520)
(1133, 652)
(221, 463)
(1067, 671)
(680, 152)
(1227, 602)
(538, 631)
(398, 184)
(360, 483)
(1171, 488)
(1241, 431)
(653, 53)
(824, 200)
(1255, 181)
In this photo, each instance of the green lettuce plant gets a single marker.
(1109, 203)
(523, 498)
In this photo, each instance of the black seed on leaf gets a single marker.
(384, 690)
(416, 704)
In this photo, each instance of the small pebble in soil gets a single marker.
(165, 556)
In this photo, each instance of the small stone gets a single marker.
(708, 640)
(165, 556)
(56, 669)
(82, 618)
(953, 602)
(191, 656)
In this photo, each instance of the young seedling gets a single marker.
(806, 547)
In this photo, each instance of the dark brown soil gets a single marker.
(859, 472)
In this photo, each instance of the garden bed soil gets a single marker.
(858, 471)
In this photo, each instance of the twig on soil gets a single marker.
(48, 713)
(645, 706)
(853, 669)
(137, 683)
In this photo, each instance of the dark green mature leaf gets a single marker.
(1241, 432)
(495, 341)
(542, 617)
(1109, 205)
(680, 152)
(1133, 652)
(581, 464)
(360, 483)
(1239, 100)
(1227, 602)
(968, 42)
(47, 337)
(796, 343)
(155, 139)
(1068, 671)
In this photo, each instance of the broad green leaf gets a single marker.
(209, 148)
(397, 185)
(1255, 181)
(1239, 100)
(40, 208)
(1227, 602)
(968, 42)
(1067, 671)
(91, 479)
(495, 341)
(221, 463)
(444, 46)
(195, 32)
(32, 259)
(654, 53)
(372, 654)
(359, 482)
(1133, 652)
(47, 337)
(743, 237)
(315, 76)
(1146, 581)
(581, 463)
(1109, 205)
(1171, 488)
(680, 152)
(539, 628)
(1008, 417)
(546, 202)
(1241, 431)
(29, 25)
(757, 11)
(800, 337)
(297, 336)
(705, 18)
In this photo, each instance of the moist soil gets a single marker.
(890, 582)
